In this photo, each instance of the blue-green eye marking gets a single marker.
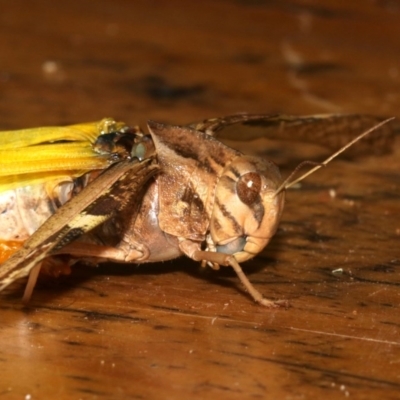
(139, 151)
(143, 149)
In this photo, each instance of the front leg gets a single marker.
(193, 251)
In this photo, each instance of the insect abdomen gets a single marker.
(24, 209)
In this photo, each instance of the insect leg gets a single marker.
(33, 275)
(105, 253)
(229, 260)
(191, 249)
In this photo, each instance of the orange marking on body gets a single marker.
(8, 248)
(51, 266)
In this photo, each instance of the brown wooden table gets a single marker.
(172, 330)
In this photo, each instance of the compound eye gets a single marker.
(248, 187)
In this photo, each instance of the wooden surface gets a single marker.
(171, 330)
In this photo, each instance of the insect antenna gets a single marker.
(286, 184)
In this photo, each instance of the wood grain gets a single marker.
(173, 330)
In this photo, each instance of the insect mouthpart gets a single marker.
(244, 248)
(232, 247)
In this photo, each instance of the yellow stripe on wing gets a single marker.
(87, 132)
(37, 155)
(51, 157)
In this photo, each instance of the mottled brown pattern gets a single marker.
(177, 147)
(172, 329)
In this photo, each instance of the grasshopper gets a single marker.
(137, 198)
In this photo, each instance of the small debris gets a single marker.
(338, 271)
